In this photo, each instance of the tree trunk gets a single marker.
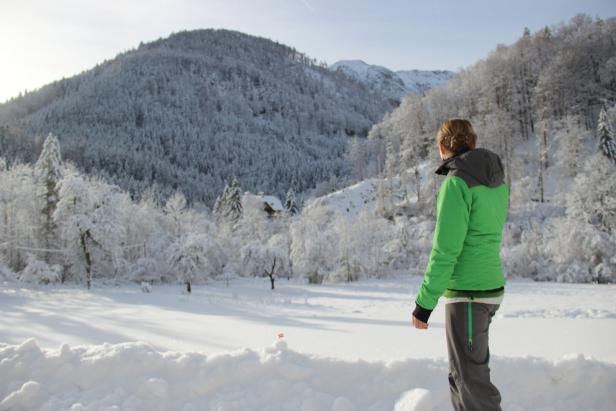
(84, 236)
(270, 273)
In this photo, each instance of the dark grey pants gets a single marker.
(467, 326)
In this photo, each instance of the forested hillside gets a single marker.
(545, 104)
(191, 111)
(557, 78)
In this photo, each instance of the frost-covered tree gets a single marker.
(18, 214)
(253, 223)
(572, 150)
(194, 258)
(146, 269)
(290, 203)
(362, 246)
(91, 227)
(384, 201)
(233, 211)
(607, 144)
(313, 243)
(396, 249)
(175, 209)
(228, 206)
(410, 157)
(358, 158)
(220, 204)
(392, 160)
(48, 171)
(351, 262)
(266, 259)
(585, 237)
(6, 273)
(593, 195)
(252, 238)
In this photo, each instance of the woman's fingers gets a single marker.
(419, 324)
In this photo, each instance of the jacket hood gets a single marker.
(477, 167)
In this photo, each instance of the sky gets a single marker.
(42, 41)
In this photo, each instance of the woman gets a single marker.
(464, 264)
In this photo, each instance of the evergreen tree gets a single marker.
(233, 210)
(607, 145)
(228, 206)
(290, 202)
(219, 205)
(48, 172)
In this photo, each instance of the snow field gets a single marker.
(346, 347)
(368, 319)
(135, 376)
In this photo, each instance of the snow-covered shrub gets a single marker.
(397, 249)
(146, 269)
(251, 256)
(524, 190)
(366, 246)
(266, 259)
(6, 273)
(420, 234)
(195, 257)
(278, 246)
(37, 271)
(593, 195)
(256, 256)
(581, 252)
(314, 243)
(525, 257)
(350, 264)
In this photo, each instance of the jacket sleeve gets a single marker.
(453, 205)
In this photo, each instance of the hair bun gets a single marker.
(457, 134)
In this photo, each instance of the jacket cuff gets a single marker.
(421, 313)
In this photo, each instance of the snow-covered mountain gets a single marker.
(423, 80)
(190, 111)
(393, 84)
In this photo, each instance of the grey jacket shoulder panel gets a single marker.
(480, 166)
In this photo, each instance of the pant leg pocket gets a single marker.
(478, 329)
(469, 325)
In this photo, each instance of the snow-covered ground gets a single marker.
(345, 346)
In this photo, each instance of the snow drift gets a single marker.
(134, 376)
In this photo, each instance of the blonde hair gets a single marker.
(457, 134)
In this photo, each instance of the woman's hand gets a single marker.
(418, 323)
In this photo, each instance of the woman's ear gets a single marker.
(441, 149)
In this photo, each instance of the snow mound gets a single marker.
(134, 376)
(418, 399)
(561, 313)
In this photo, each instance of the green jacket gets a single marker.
(471, 210)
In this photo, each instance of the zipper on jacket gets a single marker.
(470, 326)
